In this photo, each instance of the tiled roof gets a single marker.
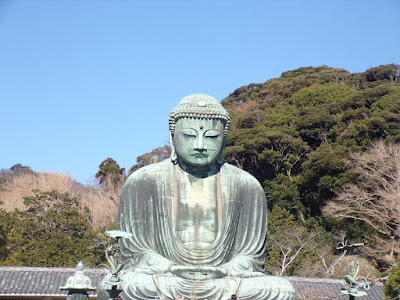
(40, 281)
(308, 288)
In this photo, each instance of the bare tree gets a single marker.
(326, 255)
(286, 240)
(374, 198)
(290, 246)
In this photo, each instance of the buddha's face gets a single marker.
(198, 142)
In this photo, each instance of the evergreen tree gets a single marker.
(110, 172)
(54, 231)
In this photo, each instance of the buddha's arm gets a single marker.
(152, 263)
(138, 215)
(240, 266)
(250, 241)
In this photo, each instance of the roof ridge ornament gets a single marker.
(78, 284)
(353, 284)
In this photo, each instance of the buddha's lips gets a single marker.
(199, 155)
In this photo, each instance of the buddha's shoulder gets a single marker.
(241, 175)
(150, 171)
(235, 171)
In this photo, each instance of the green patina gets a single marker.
(198, 225)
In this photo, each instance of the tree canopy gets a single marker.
(295, 133)
(298, 134)
(110, 172)
(53, 231)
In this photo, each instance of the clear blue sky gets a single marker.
(81, 81)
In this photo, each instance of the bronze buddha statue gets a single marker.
(198, 224)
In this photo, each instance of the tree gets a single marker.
(265, 152)
(4, 220)
(284, 192)
(156, 155)
(295, 134)
(392, 286)
(386, 113)
(18, 168)
(110, 172)
(102, 200)
(53, 231)
(8, 174)
(374, 198)
(286, 241)
(389, 72)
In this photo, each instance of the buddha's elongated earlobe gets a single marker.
(174, 156)
(220, 158)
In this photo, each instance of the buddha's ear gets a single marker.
(220, 158)
(174, 157)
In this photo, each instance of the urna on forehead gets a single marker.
(199, 106)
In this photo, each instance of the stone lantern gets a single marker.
(78, 285)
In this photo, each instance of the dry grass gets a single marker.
(102, 201)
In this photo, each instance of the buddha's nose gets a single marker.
(200, 143)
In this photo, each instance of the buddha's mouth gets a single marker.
(199, 155)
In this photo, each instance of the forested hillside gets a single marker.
(303, 136)
(325, 145)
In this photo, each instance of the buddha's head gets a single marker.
(198, 127)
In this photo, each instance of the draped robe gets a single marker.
(148, 210)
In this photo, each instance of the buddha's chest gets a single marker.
(196, 212)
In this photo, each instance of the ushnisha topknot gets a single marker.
(199, 106)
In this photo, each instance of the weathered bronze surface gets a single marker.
(198, 225)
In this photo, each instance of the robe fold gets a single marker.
(148, 210)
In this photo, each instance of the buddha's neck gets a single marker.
(199, 171)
